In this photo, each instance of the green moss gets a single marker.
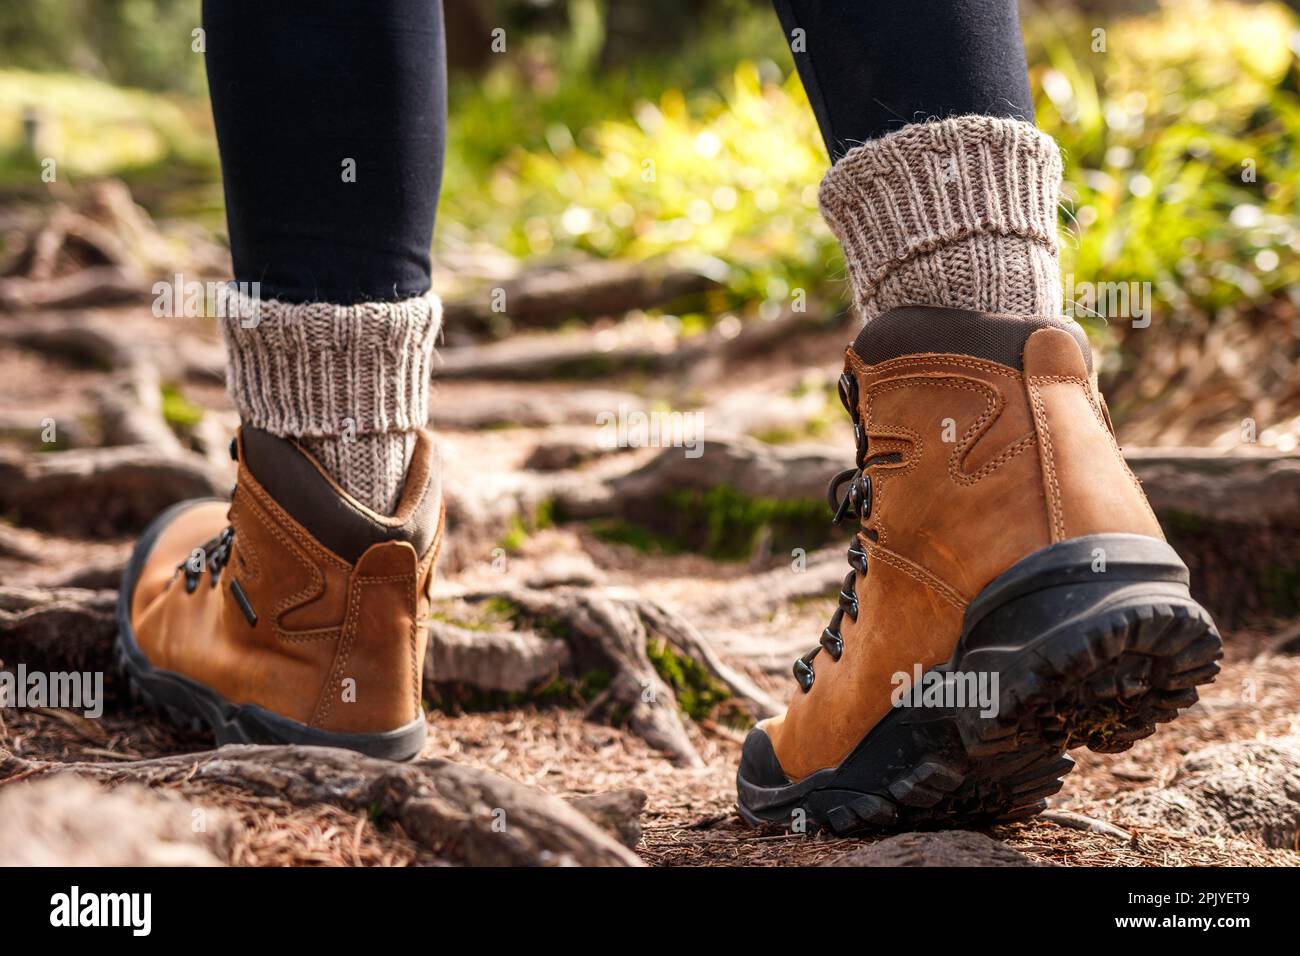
(698, 693)
(560, 691)
(177, 410)
(730, 523)
(623, 532)
(720, 523)
(516, 536)
(522, 527)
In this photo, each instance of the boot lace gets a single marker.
(216, 552)
(855, 503)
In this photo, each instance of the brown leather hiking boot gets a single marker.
(1012, 595)
(292, 615)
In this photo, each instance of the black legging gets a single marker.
(872, 66)
(303, 89)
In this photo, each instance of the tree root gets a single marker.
(101, 491)
(597, 631)
(457, 813)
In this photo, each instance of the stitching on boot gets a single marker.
(334, 685)
(936, 584)
(994, 406)
(1053, 487)
(314, 588)
(334, 681)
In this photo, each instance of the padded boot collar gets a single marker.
(919, 329)
(298, 484)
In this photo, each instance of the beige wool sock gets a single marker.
(350, 382)
(958, 213)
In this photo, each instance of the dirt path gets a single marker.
(507, 431)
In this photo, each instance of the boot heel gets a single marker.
(1094, 641)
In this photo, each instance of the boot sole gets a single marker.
(1083, 658)
(196, 707)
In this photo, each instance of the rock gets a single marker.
(71, 822)
(1247, 788)
(617, 813)
(949, 848)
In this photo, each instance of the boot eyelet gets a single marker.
(833, 642)
(860, 440)
(848, 595)
(804, 674)
(857, 557)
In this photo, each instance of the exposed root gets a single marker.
(460, 814)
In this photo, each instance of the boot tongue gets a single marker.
(919, 329)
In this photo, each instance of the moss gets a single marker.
(730, 522)
(720, 523)
(523, 527)
(560, 691)
(516, 536)
(1281, 589)
(179, 411)
(698, 692)
(643, 539)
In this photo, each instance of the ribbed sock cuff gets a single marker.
(958, 213)
(352, 381)
(318, 369)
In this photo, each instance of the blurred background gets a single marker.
(1180, 131)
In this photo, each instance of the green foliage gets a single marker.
(91, 128)
(523, 527)
(1157, 132)
(142, 43)
(732, 178)
(710, 148)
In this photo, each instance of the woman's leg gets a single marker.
(987, 481)
(330, 117)
(872, 68)
(942, 191)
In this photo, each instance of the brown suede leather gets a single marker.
(336, 646)
(1030, 460)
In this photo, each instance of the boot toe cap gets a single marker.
(759, 766)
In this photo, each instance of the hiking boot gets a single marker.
(1008, 558)
(293, 613)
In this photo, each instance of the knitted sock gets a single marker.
(350, 382)
(958, 213)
